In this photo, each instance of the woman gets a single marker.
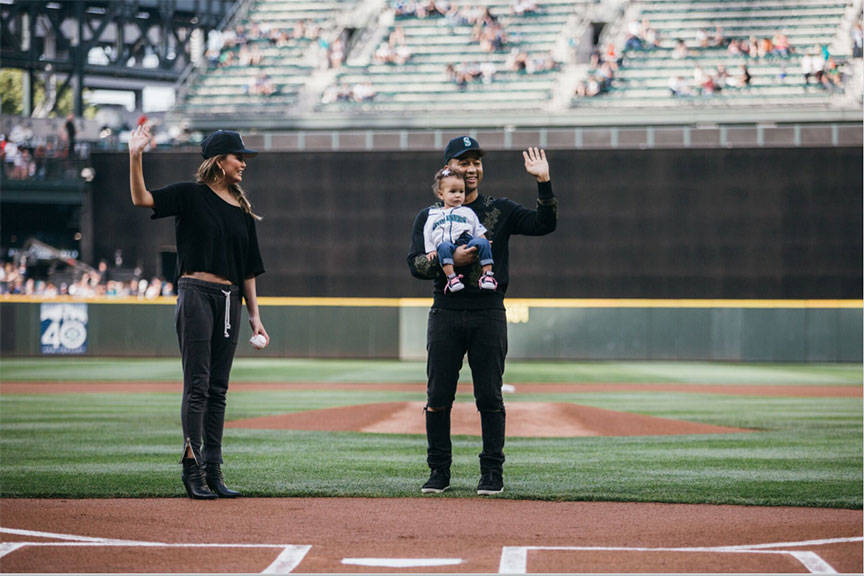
(218, 260)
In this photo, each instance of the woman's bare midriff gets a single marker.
(206, 277)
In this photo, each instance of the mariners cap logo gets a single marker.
(461, 145)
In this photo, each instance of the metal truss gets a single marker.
(114, 44)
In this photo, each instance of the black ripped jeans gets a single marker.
(208, 320)
(483, 335)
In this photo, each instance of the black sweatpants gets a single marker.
(208, 320)
(483, 335)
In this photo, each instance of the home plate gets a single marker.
(508, 388)
(402, 562)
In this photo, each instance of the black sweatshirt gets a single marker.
(502, 218)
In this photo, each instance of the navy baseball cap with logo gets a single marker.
(224, 142)
(460, 146)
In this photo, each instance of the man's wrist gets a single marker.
(544, 190)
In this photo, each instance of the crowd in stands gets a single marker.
(25, 155)
(344, 92)
(394, 50)
(486, 28)
(96, 284)
(517, 61)
(240, 46)
(604, 66)
(467, 72)
(456, 15)
(817, 65)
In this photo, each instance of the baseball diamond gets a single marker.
(770, 437)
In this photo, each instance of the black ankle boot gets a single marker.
(216, 482)
(193, 480)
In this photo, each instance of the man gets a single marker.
(473, 320)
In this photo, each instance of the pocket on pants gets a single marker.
(193, 316)
(440, 327)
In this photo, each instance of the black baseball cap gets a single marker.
(461, 145)
(224, 142)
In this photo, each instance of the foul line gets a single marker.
(287, 561)
(514, 559)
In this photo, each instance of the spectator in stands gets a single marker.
(71, 132)
(734, 47)
(633, 40)
(764, 47)
(226, 58)
(24, 167)
(403, 8)
(742, 80)
(678, 87)
(516, 60)
(780, 45)
(650, 36)
(453, 17)
(396, 37)
(282, 38)
(611, 57)
(721, 78)
(262, 86)
(832, 78)
(811, 67)
(703, 81)
(336, 53)
(363, 92)
(680, 51)
(857, 34)
(702, 38)
(487, 72)
(545, 62)
(384, 54)
(589, 87)
(522, 7)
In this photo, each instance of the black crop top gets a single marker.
(212, 235)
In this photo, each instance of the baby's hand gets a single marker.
(431, 255)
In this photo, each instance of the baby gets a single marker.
(453, 225)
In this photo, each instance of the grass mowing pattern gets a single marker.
(806, 451)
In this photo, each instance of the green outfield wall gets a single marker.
(596, 329)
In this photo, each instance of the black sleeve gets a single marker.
(172, 200)
(420, 266)
(254, 264)
(537, 222)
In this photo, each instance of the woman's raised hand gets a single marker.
(139, 139)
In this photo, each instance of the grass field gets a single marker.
(804, 451)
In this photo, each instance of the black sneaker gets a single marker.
(491, 482)
(439, 481)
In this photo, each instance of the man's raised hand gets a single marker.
(536, 164)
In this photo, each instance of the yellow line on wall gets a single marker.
(530, 302)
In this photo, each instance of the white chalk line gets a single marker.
(288, 559)
(402, 562)
(514, 559)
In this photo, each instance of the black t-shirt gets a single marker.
(212, 235)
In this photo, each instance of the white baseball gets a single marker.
(258, 341)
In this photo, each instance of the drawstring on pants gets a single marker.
(227, 312)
